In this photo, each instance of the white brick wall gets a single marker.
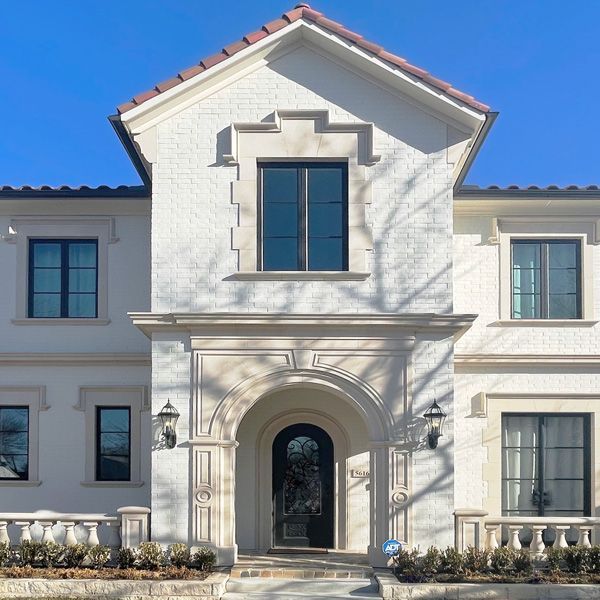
(409, 216)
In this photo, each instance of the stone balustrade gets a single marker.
(128, 528)
(471, 524)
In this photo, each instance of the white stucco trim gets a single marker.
(26, 227)
(136, 398)
(300, 135)
(120, 359)
(300, 276)
(34, 397)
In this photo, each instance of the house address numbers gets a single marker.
(360, 473)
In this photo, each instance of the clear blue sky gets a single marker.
(66, 64)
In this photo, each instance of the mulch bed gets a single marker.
(165, 573)
(535, 577)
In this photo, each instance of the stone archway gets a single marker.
(258, 431)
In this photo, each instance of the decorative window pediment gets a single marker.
(292, 135)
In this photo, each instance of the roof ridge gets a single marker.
(302, 11)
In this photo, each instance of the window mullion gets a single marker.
(545, 280)
(302, 222)
(64, 279)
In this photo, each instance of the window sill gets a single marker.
(113, 484)
(19, 483)
(60, 321)
(300, 276)
(544, 323)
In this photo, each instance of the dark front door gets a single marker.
(303, 487)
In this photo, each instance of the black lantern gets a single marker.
(169, 415)
(435, 418)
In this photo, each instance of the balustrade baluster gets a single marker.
(70, 539)
(47, 536)
(114, 541)
(537, 546)
(584, 536)
(25, 531)
(491, 538)
(561, 538)
(513, 541)
(92, 527)
(4, 539)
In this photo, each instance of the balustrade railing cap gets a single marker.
(126, 510)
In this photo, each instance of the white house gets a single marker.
(301, 276)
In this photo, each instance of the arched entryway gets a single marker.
(264, 435)
(303, 488)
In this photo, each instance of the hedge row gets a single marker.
(411, 566)
(148, 556)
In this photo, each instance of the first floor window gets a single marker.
(14, 442)
(546, 279)
(303, 217)
(63, 278)
(546, 466)
(113, 443)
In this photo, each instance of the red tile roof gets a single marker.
(303, 11)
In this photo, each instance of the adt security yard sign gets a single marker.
(391, 547)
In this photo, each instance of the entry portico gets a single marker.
(252, 376)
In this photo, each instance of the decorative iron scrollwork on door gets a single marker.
(302, 483)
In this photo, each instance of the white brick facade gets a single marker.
(360, 354)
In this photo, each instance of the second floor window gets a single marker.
(546, 279)
(14, 442)
(63, 278)
(303, 219)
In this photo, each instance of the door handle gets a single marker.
(536, 497)
(546, 498)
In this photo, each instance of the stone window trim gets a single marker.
(136, 398)
(505, 230)
(34, 397)
(301, 135)
(491, 406)
(22, 229)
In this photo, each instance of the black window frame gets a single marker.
(64, 274)
(544, 244)
(303, 234)
(26, 409)
(540, 455)
(98, 442)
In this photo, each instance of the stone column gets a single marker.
(134, 525)
(213, 498)
(389, 493)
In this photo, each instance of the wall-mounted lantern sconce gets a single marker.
(435, 418)
(169, 415)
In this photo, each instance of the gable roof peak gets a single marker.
(304, 11)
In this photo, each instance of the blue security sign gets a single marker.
(391, 547)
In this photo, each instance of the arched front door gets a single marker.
(303, 488)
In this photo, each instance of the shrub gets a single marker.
(204, 558)
(451, 561)
(502, 560)
(150, 555)
(75, 555)
(126, 558)
(99, 556)
(5, 553)
(554, 557)
(522, 561)
(594, 559)
(405, 562)
(429, 563)
(576, 559)
(476, 560)
(51, 554)
(30, 553)
(179, 555)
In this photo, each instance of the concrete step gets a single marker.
(259, 588)
(308, 572)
